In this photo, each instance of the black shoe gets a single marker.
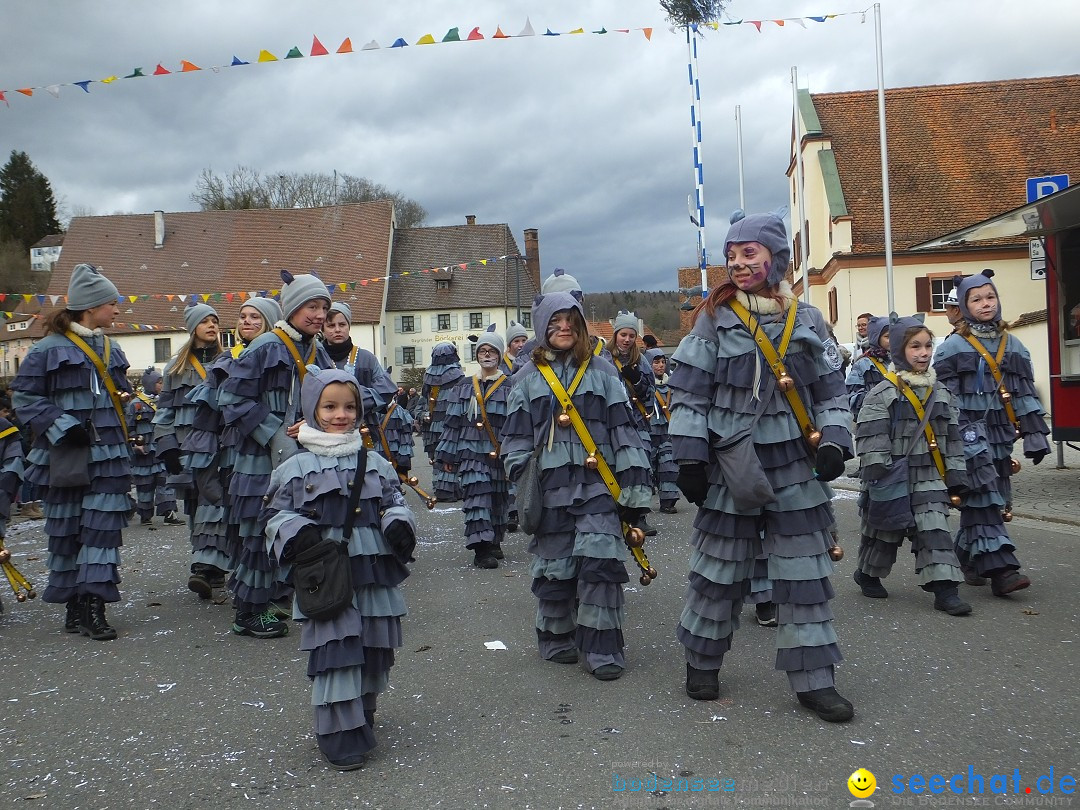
(565, 657)
(952, 604)
(668, 510)
(971, 578)
(200, 584)
(259, 625)
(146, 521)
(871, 586)
(281, 608)
(92, 620)
(511, 527)
(702, 684)
(348, 764)
(643, 524)
(766, 614)
(484, 557)
(608, 672)
(72, 615)
(497, 552)
(827, 704)
(1004, 583)
(172, 520)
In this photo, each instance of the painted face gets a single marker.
(560, 331)
(487, 357)
(624, 340)
(309, 318)
(515, 346)
(918, 351)
(206, 331)
(748, 265)
(101, 316)
(860, 326)
(982, 302)
(659, 366)
(336, 328)
(336, 411)
(250, 324)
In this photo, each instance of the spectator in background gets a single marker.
(862, 341)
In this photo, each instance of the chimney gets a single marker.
(159, 229)
(532, 255)
(470, 219)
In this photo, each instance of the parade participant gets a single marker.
(11, 476)
(70, 391)
(260, 403)
(147, 470)
(174, 420)
(788, 393)
(989, 374)
(308, 502)
(665, 470)
(870, 368)
(440, 377)
(558, 281)
(908, 423)
(469, 450)
(376, 387)
(578, 569)
(637, 378)
(862, 336)
(516, 336)
(952, 310)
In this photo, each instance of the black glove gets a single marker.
(304, 539)
(693, 483)
(75, 436)
(402, 540)
(829, 464)
(171, 459)
(1038, 455)
(630, 514)
(631, 373)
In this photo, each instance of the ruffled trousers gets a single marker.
(210, 544)
(152, 496)
(85, 534)
(725, 571)
(579, 603)
(982, 544)
(931, 543)
(485, 508)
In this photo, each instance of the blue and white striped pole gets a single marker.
(699, 175)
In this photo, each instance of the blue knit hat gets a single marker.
(897, 329)
(765, 229)
(625, 320)
(150, 378)
(343, 308)
(315, 381)
(489, 337)
(196, 314)
(298, 290)
(267, 307)
(965, 285)
(545, 306)
(514, 331)
(88, 289)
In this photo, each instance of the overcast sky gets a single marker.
(586, 138)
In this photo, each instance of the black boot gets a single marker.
(72, 615)
(643, 524)
(92, 621)
(702, 684)
(871, 586)
(484, 557)
(827, 704)
(947, 598)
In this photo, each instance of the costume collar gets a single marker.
(985, 330)
(914, 379)
(761, 305)
(331, 445)
(83, 331)
(290, 330)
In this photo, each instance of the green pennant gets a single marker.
(294, 53)
(136, 74)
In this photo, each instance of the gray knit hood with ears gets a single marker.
(768, 230)
(965, 285)
(315, 381)
(545, 306)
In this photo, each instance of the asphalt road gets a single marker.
(180, 713)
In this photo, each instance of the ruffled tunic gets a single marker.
(350, 656)
(147, 471)
(665, 470)
(578, 567)
(11, 470)
(982, 541)
(255, 399)
(714, 385)
(466, 448)
(886, 425)
(57, 388)
(443, 373)
(863, 376)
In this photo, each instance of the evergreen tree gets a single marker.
(27, 206)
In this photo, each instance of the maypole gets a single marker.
(698, 214)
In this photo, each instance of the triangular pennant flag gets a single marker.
(136, 74)
(475, 34)
(317, 48)
(294, 53)
(426, 39)
(236, 60)
(621, 30)
(452, 35)
(400, 43)
(26, 91)
(601, 31)
(527, 31)
(756, 24)
(801, 22)
(53, 299)
(53, 90)
(109, 80)
(132, 299)
(819, 19)
(499, 33)
(779, 23)
(577, 31)
(550, 33)
(40, 299)
(187, 67)
(84, 85)
(371, 46)
(648, 33)
(266, 56)
(346, 46)
(161, 71)
(169, 296)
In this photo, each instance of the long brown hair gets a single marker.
(582, 347)
(634, 355)
(60, 321)
(183, 357)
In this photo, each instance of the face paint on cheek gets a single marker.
(487, 361)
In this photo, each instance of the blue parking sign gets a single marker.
(1039, 187)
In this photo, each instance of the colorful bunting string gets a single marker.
(453, 35)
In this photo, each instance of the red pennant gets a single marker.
(474, 34)
(160, 71)
(317, 48)
(346, 46)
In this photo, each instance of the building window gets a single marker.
(526, 319)
(408, 355)
(162, 350)
(931, 292)
(472, 353)
(408, 323)
(442, 284)
(443, 322)
(228, 340)
(476, 320)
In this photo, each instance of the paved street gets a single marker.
(180, 713)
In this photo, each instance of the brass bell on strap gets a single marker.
(785, 382)
(652, 573)
(564, 420)
(836, 552)
(493, 454)
(480, 425)
(635, 538)
(431, 503)
(125, 397)
(956, 501)
(413, 481)
(932, 445)
(1014, 466)
(1007, 516)
(365, 431)
(31, 594)
(20, 597)
(813, 438)
(1003, 392)
(5, 556)
(590, 462)
(644, 579)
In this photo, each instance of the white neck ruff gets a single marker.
(331, 445)
(83, 331)
(768, 306)
(912, 378)
(289, 330)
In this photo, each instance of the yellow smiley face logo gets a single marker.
(861, 783)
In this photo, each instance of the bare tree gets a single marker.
(244, 187)
(692, 12)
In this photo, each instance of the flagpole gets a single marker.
(699, 175)
(799, 184)
(884, 161)
(738, 141)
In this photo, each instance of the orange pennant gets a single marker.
(648, 33)
(346, 46)
(499, 33)
(26, 91)
(187, 67)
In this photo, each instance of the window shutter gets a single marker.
(397, 325)
(397, 355)
(418, 324)
(454, 322)
(834, 309)
(487, 319)
(434, 323)
(923, 300)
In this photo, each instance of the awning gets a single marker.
(1055, 212)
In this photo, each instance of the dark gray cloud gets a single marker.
(586, 138)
